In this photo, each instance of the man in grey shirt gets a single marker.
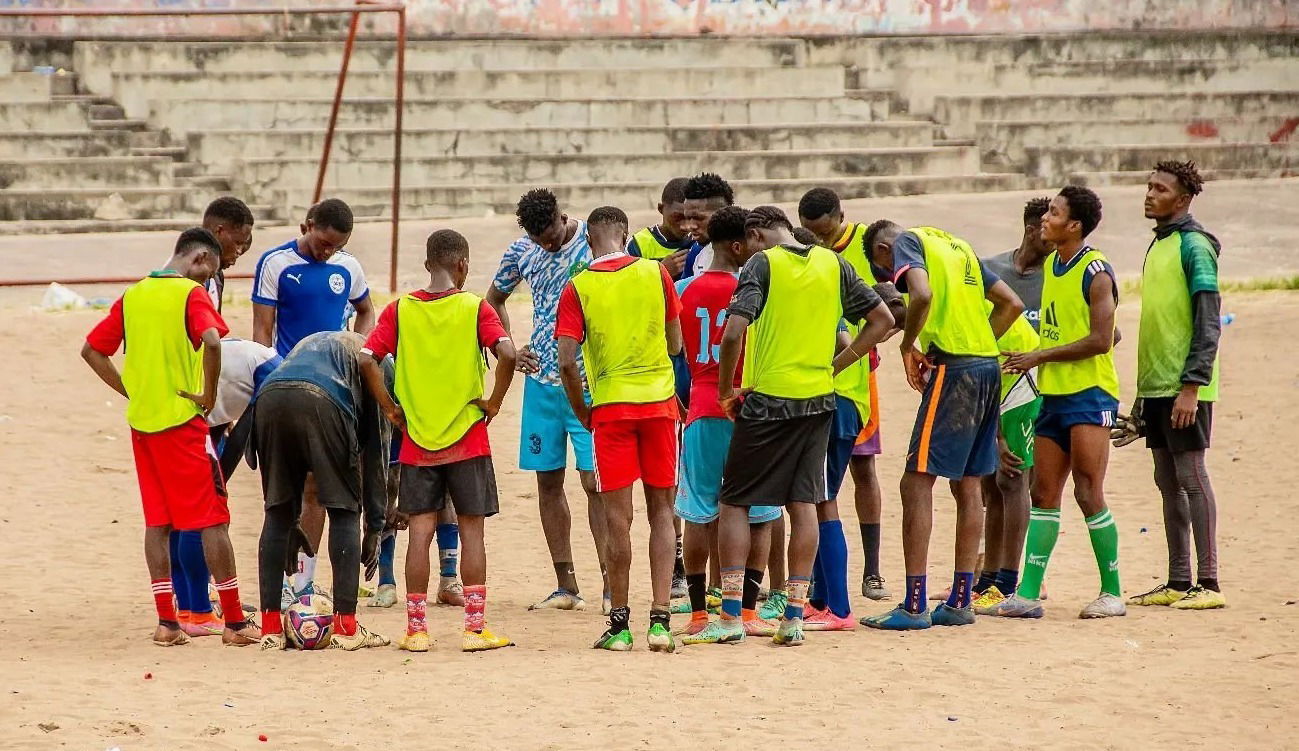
(1021, 268)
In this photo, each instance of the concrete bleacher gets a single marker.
(136, 133)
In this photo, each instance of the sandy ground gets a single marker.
(80, 672)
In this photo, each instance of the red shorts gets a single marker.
(180, 477)
(643, 449)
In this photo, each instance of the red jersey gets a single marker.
(704, 300)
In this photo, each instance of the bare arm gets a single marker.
(1006, 307)
(1097, 342)
(372, 374)
(572, 379)
(673, 331)
(211, 372)
(879, 322)
(728, 359)
(920, 299)
(263, 324)
(506, 360)
(496, 298)
(364, 322)
(104, 368)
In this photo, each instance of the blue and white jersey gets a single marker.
(309, 296)
(546, 274)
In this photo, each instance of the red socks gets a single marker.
(416, 611)
(231, 609)
(345, 624)
(163, 601)
(475, 605)
(272, 622)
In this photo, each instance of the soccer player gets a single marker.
(707, 435)
(1177, 382)
(792, 296)
(315, 415)
(1006, 494)
(169, 378)
(949, 353)
(705, 193)
(553, 250)
(1080, 390)
(303, 287)
(231, 222)
(623, 313)
(438, 335)
(666, 242)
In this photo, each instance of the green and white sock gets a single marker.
(1105, 544)
(1043, 530)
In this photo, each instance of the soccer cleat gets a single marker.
(286, 597)
(693, 627)
(362, 639)
(560, 599)
(990, 597)
(1161, 595)
(614, 642)
(759, 627)
(789, 634)
(414, 642)
(721, 631)
(481, 641)
(679, 587)
(171, 638)
(1105, 606)
(824, 620)
(809, 611)
(202, 624)
(241, 635)
(272, 642)
(946, 615)
(363, 591)
(660, 638)
(450, 592)
(872, 587)
(680, 607)
(1016, 607)
(774, 608)
(898, 619)
(1200, 598)
(713, 600)
(384, 597)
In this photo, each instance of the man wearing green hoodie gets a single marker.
(1177, 382)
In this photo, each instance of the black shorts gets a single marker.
(1157, 413)
(300, 430)
(471, 484)
(777, 462)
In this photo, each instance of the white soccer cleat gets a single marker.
(1105, 606)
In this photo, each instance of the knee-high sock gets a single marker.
(179, 584)
(833, 552)
(816, 594)
(448, 537)
(1043, 530)
(1193, 476)
(1105, 544)
(1177, 519)
(271, 550)
(194, 568)
(870, 542)
(387, 560)
(345, 557)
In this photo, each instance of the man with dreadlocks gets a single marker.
(1177, 382)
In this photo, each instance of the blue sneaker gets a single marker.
(898, 619)
(946, 615)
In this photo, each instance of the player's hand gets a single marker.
(205, 402)
(298, 542)
(528, 361)
(1184, 406)
(1011, 464)
(396, 416)
(370, 553)
(731, 401)
(1021, 362)
(916, 366)
(584, 415)
(675, 263)
(489, 408)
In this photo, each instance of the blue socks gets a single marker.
(986, 579)
(448, 536)
(189, 574)
(833, 575)
(1007, 581)
(916, 595)
(387, 559)
(962, 584)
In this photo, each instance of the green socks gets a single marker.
(1105, 544)
(1043, 529)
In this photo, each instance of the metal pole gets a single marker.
(333, 110)
(396, 147)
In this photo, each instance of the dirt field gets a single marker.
(80, 672)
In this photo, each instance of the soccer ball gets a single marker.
(308, 623)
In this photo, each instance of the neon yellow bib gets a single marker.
(854, 381)
(625, 350)
(789, 351)
(1066, 318)
(159, 356)
(440, 367)
(958, 319)
(1165, 338)
(650, 248)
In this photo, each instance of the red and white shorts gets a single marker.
(180, 478)
(643, 449)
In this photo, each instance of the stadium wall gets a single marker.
(572, 18)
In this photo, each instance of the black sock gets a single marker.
(752, 584)
(1179, 585)
(870, 542)
(1210, 584)
(697, 584)
(618, 619)
(679, 568)
(566, 577)
(986, 579)
(661, 617)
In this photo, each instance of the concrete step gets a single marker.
(957, 114)
(1140, 177)
(181, 116)
(174, 153)
(477, 199)
(219, 148)
(1059, 161)
(82, 203)
(35, 145)
(257, 176)
(35, 87)
(117, 123)
(264, 215)
(1002, 143)
(85, 172)
(38, 117)
(136, 90)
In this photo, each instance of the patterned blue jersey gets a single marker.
(546, 274)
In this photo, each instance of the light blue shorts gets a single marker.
(703, 453)
(546, 427)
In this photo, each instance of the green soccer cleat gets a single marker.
(790, 633)
(774, 608)
(724, 631)
(614, 642)
(659, 637)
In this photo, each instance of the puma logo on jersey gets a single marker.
(295, 277)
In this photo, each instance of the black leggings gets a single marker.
(344, 554)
